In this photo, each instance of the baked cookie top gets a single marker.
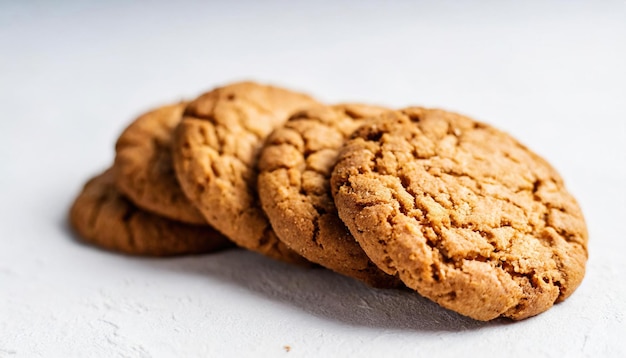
(104, 218)
(143, 165)
(216, 148)
(294, 187)
(464, 213)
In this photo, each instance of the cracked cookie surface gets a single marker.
(465, 214)
(144, 171)
(216, 148)
(103, 217)
(294, 188)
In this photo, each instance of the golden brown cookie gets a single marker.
(103, 217)
(294, 187)
(143, 166)
(216, 148)
(465, 214)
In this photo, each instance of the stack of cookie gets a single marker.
(449, 207)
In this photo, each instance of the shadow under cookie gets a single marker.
(323, 293)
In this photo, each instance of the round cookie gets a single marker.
(216, 148)
(103, 217)
(465, 214)
(143, 166)
(294, 188)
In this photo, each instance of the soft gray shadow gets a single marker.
(317, 291)
(323, 293)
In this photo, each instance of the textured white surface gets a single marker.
(72, 75)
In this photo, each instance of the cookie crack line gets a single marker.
(93, 218)
(316, 232)
(260, 137)
(126, 219)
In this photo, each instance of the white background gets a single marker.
(72, 74)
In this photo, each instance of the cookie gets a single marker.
(294, 188)
(216, 147)
(104, 218)
(144, 172)
(465, 214)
